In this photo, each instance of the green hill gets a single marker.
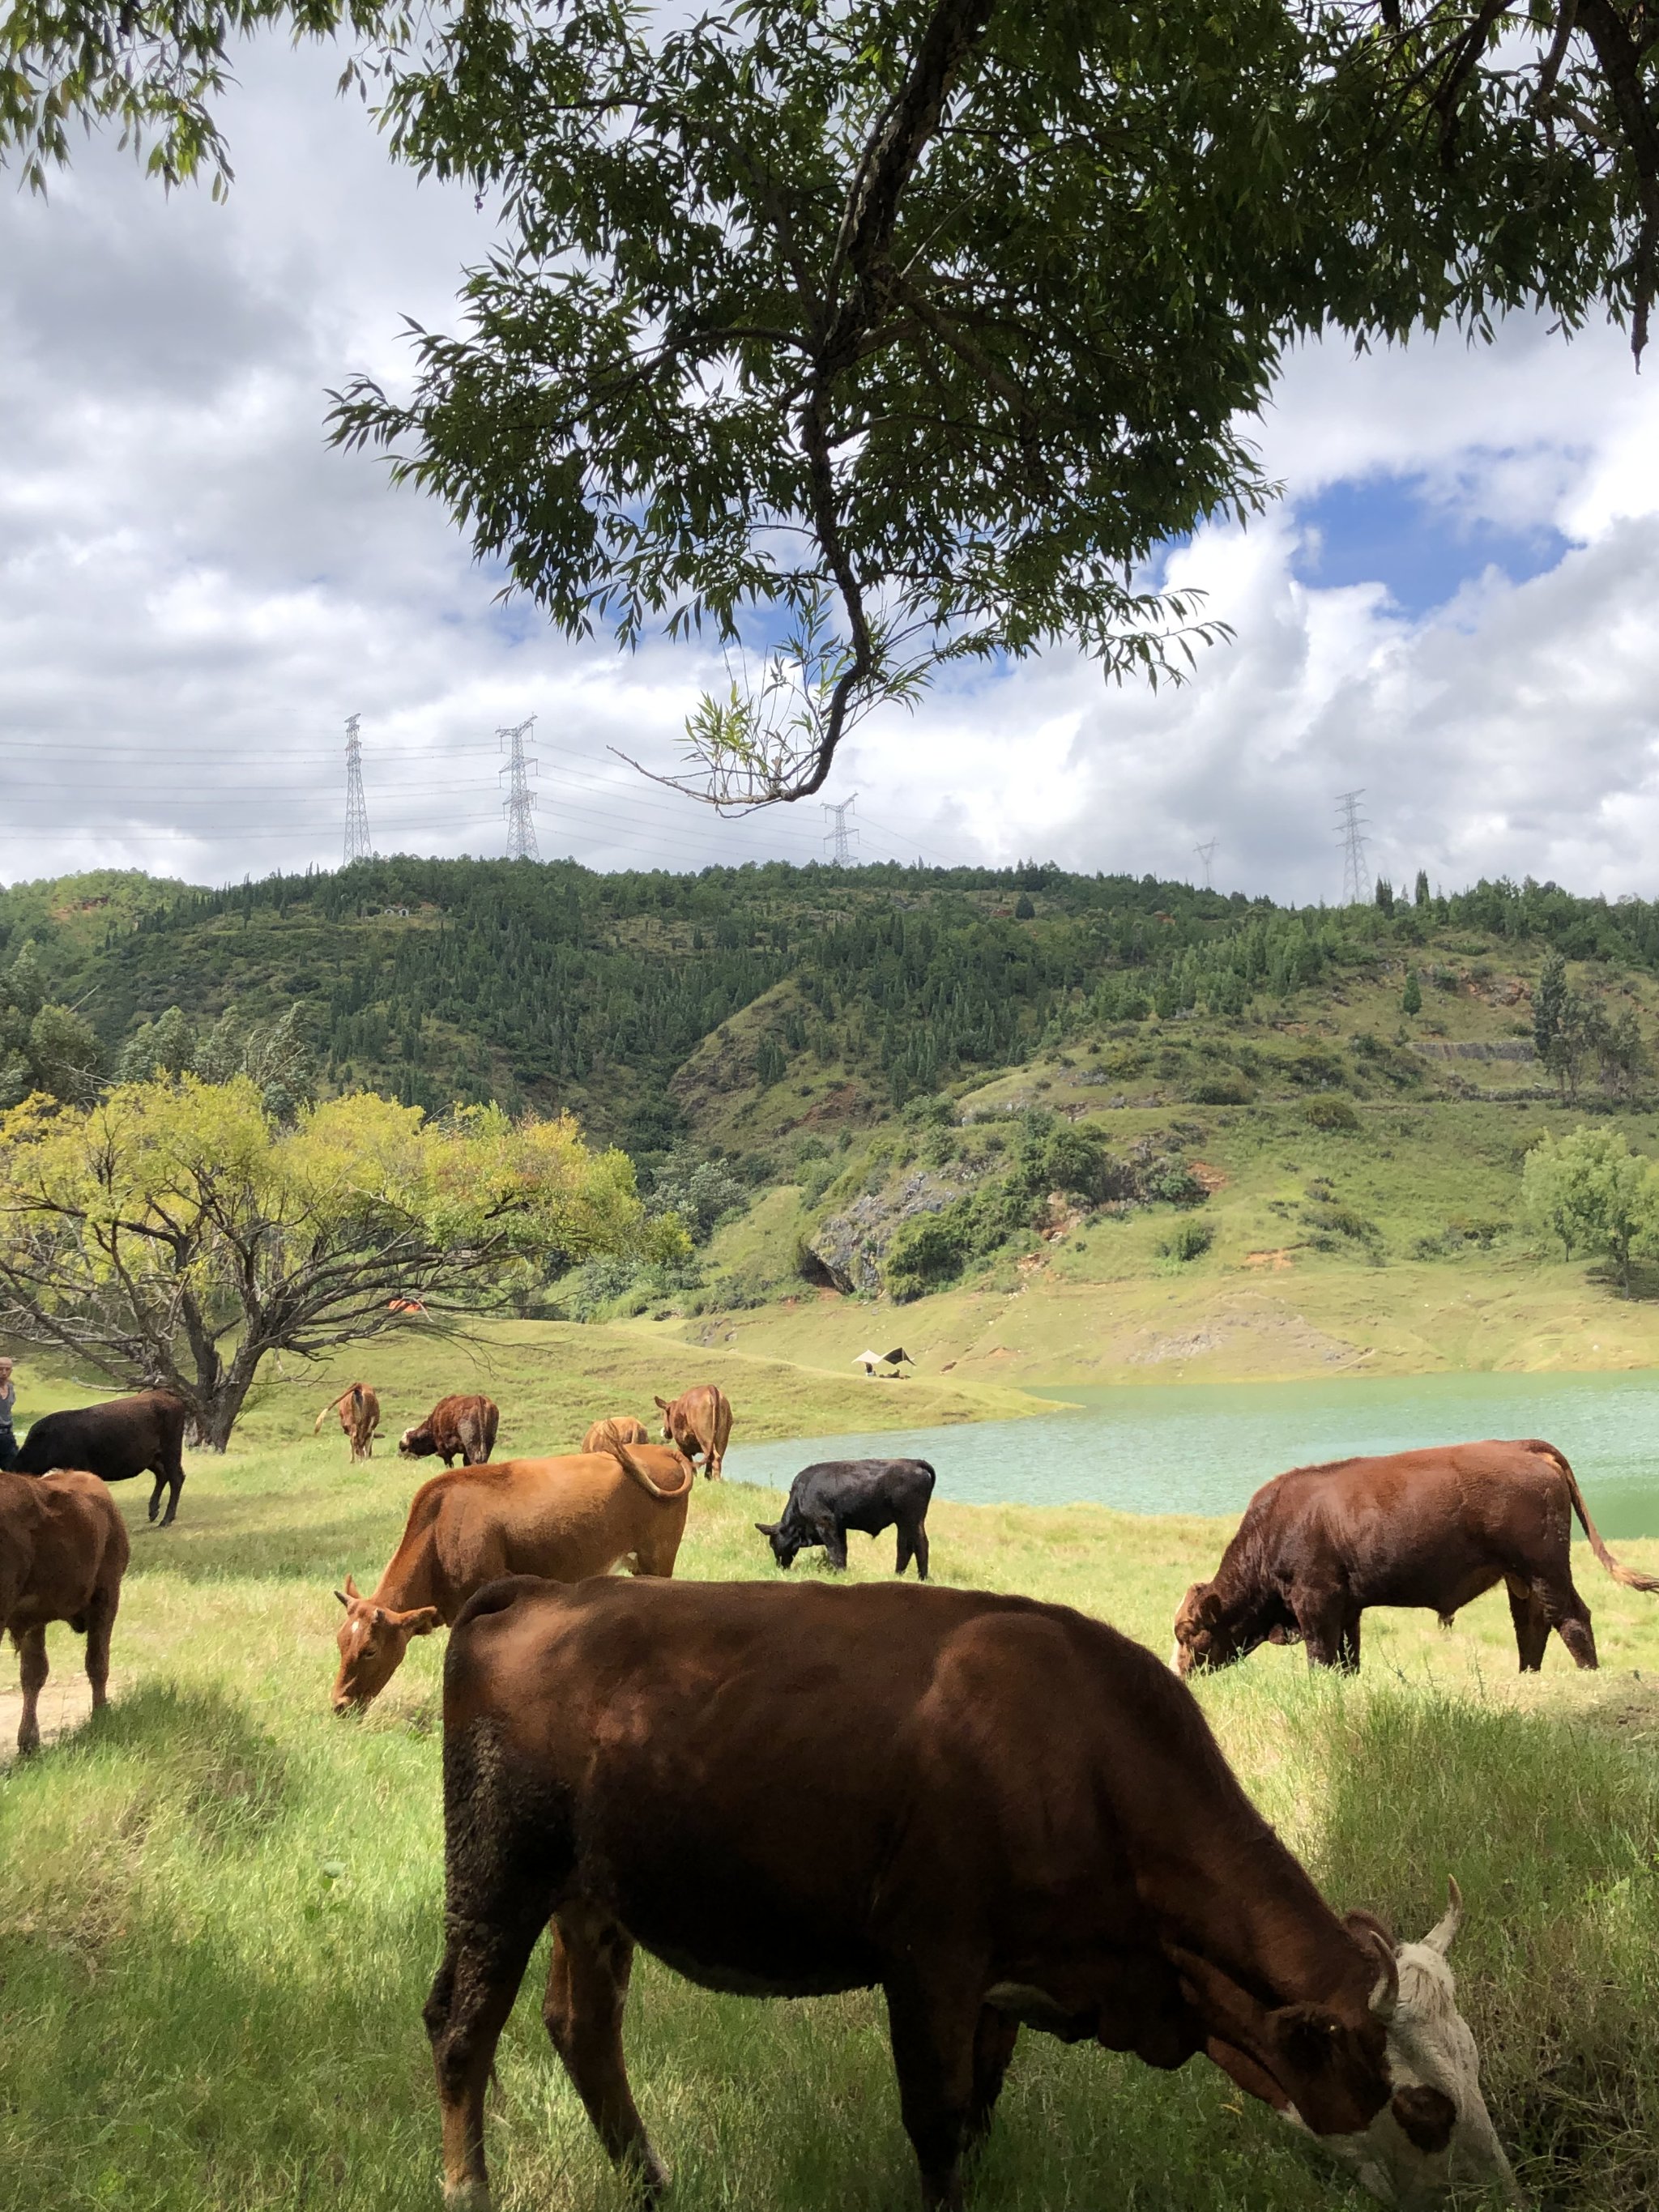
(1088, 1125)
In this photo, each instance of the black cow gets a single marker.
(126, 1437)
(834, 1495)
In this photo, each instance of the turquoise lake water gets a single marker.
(1203, 1448)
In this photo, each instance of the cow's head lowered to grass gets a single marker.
(372, 1640)
(1435, 2131)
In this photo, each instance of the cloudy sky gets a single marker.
(1453, 609)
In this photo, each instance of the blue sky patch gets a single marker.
(1391, 531)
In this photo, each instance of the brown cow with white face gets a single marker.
(998, 1812)
(64, 1550)
(359, 1409)
(699, 1422)
(1436, 1528)
(461, 1428)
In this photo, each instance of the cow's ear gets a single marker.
(352, 1592)
(421, 1621)
(662, 1402)
(1426, 2116)
(1210, 1607)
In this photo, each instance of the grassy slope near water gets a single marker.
(220, 1907)
(1276, 1296)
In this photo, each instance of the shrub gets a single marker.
(1188, 1240)
(1330, 1112)
(1175, 1183)
(1225, 1089)
(927, 1253)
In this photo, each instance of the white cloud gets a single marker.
(195, 591)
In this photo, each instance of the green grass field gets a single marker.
(220, 1907)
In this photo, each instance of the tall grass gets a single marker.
(220, 1907)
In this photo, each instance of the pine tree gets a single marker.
(1548, 1005)
(1420, 895)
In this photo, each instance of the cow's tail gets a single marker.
(332, 1406)
(1632, 1578)
(646, 1480)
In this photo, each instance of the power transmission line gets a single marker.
(841, 838)
(358, 846)
(519, 804)
(1207, 853)
(1350, 829)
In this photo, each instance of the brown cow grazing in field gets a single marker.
(564, 1519)
(461, 1428)
(1436, 1528)
(996, 1811)
(620, 1429)
(62, 1552)
(359, 1417)
(116, 1441)
(699, 1422)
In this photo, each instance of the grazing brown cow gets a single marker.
(461, 1428)
(620, 1429)
(562, 1518)
(63, 1552)
(116, 1441)
(700, 1422)
(998, 1812)
(1436, 1528)
(359, 1417)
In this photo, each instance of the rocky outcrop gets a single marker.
(850, 1246)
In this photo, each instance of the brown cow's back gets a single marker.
(1433, 1528)
(700, 1422)
(61, 1537)
(995, 1809)
(64, 1550)
(461, 1426)
(619, 1429)
(560, 1520)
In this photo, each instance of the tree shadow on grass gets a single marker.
(250, 1537)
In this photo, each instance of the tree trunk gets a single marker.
(220, 1402)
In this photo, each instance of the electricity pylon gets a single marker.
(840, 839)
(1350, 829)
(358, 846)
(519, 804)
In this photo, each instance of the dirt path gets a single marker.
(65, 1703)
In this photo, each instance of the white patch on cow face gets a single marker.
(1429, 2046)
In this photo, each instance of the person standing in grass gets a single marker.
(8, 1409)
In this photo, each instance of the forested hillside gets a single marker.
(651, 1003)
(960, 1087)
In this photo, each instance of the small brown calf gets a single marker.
(360, 1416)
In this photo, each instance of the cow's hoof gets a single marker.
(466, 2196)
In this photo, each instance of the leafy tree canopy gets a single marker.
(864, 337)
(177, 1232)
(1595, 1194)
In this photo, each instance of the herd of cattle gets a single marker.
(998, 1811)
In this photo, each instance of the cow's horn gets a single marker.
(1439, 1937)
(343, 1599)
(1385, 1995)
